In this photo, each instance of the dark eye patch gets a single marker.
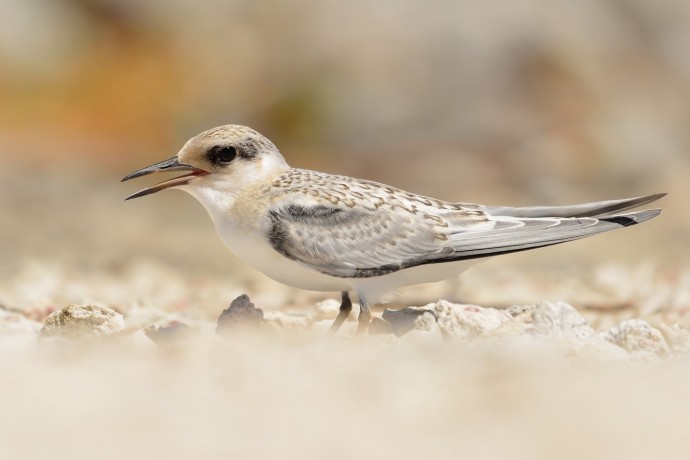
(222, 154)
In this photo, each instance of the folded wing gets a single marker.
(355, 242)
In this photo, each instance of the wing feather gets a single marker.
(357, 229)
(345, 242)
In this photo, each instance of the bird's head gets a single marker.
(225, 158)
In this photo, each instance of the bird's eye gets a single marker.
(222, 154)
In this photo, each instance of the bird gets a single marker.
(332, 233)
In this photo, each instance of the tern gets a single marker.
(325, 232)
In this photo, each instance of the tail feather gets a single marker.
(596, 209)
(537, 232)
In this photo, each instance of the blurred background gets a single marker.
(519, 102)
(495, 102)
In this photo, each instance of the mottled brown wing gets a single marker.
(354, 243)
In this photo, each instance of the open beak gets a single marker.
(168, 165)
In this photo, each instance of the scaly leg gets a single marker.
(364, 317)
(345, 309)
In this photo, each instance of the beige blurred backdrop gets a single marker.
(517, 102)
(494, 102)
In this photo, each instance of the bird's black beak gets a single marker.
(170, 164)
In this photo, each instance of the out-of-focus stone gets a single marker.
(466, 321)
(677, 338)
(554, 322)
(562, 326)
(560, 319)
(16, 324)
(241, 314)
(83, 321)
(446, 319)
(173, 332)
(278, 321)
(521, 312)
(379, 326)
(405, 320)
(637, 336)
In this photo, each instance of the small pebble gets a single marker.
(83, 321)
(240, 314)
(173, 332)
(637, 336)
(406, 319)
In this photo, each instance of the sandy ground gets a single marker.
(300, 395)
(475, 383)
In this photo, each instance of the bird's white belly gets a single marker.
(255, 249)
(373, 289)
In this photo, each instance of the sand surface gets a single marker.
(547, 383)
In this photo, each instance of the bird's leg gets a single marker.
(364, 317)
(345, 309)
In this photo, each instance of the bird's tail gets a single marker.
(519, 229)
(596, 209)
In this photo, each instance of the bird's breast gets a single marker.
(251, 243)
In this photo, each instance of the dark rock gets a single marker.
(241, 314)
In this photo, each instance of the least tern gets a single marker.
(323, 232)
